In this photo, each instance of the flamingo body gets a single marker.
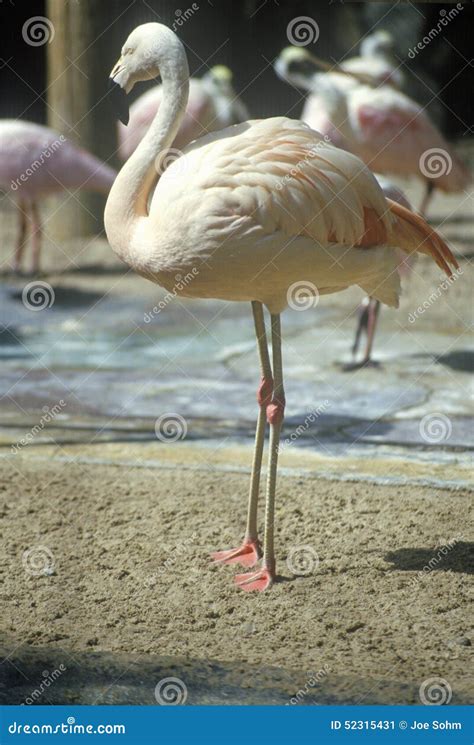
(35, 162)
(250, 211)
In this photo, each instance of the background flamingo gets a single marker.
(212, 104)
(385, 128)
(377, 59)
(35, 162)
(370, 307)
(389, 131)
(252, 210)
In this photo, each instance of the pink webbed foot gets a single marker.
(247, 554)
(258, 581)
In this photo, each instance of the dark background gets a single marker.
(247, 35)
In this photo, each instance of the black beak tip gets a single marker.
(118, 98)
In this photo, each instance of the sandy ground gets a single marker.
(127, 570)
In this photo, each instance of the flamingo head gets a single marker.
(297, 66)
(379, 44)
(152, 50)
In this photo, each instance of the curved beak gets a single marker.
(117, 94)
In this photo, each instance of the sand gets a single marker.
(125, 554)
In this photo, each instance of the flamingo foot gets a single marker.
(247, 554)
(368, 362)
(256, 581)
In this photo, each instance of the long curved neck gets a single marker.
(128, 198)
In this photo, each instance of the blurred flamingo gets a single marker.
(385, 128)
(377, 59)
(258, 212)
(389, 131)
(212, 104)
(370, 307)
(35, 162)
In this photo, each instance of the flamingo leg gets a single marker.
(430, 187)
(367, 322)
(35, 238)
(22, 235)
(264, 578)
(249, 552)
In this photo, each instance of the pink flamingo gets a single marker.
(35, 162)
(212, 104)
(384, 127)
(255, 211)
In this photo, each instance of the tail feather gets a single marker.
(413, 235)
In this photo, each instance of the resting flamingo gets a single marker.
(251, 211)
(212, 104)
(35, 162)
(389, 131)
(377, 59)
(384, 127)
